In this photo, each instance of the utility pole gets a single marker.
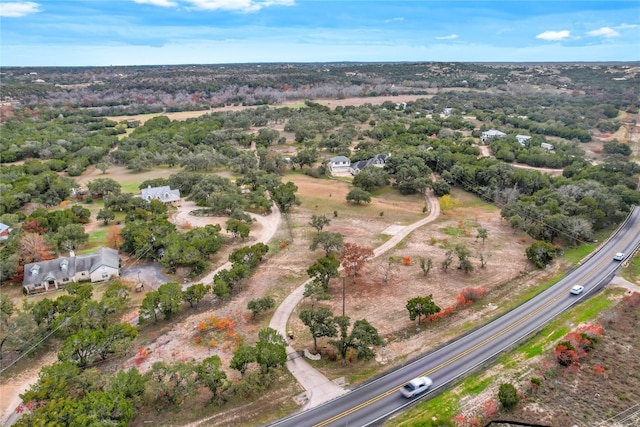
(344, 279)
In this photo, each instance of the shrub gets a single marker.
(565, 354)
(259, 305)
(508, 396)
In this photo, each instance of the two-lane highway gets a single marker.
(381, 398)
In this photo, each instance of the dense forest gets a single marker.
(54, 127)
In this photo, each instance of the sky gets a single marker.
(153, 32)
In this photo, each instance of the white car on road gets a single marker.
(619, 256)
(577, 289)
(416, 386)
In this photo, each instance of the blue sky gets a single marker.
(145, 32)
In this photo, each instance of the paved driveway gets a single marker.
(149, 274)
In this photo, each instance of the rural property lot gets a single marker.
(506, 272)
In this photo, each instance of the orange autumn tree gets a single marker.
(353, 258)
(114, 237)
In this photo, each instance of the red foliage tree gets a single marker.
(490, 408)
(34, 226)
(34, 248)
(565, 354)
(633, 299)
(353, 258)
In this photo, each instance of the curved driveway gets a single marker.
(320, 389)
(380, 398)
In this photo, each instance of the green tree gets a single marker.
(284, 195)
(483, 234)
(70, 237)
(99, 408)
(426, 265)
(170, 296)
(115, 297)
(195, 293)
(270, 349)
(85, 345)
(244, 355)
(306, 156)
(541, 253)
(508, 396)
(102, 187)
(320, 323)
(448, 260)
(237, 228)
(259, 305)
(150, 306)
(105, 215)
(18, 331)
(362, 336)
(130, 384)
(371, 178)
(54, 381)
(421, 306)
(319, 222)
(323, 270)
(358, 196)
(249, 255)
(462, 252)
(171, 384)
(211, 375)
(329, 241)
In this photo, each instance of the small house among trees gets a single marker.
(378, 160)
(54, 274)
(492, 134)
(165, 194)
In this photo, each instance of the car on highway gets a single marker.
(416, 386)
(577, 290)
(619, 256)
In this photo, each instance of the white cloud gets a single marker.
(16, 10)
(161, 3)
(604, 32)
(554, 35)
(625, 26)
(449, 37)
(239, 5)
(399, 19)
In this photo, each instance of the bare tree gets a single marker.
(387, 268)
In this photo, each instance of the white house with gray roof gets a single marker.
(379, 160)
(339, 164)
(165, 194)
(54, 274)
(492, 134)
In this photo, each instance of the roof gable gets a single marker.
(67, 267)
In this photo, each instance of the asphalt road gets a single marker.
(377, 400)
